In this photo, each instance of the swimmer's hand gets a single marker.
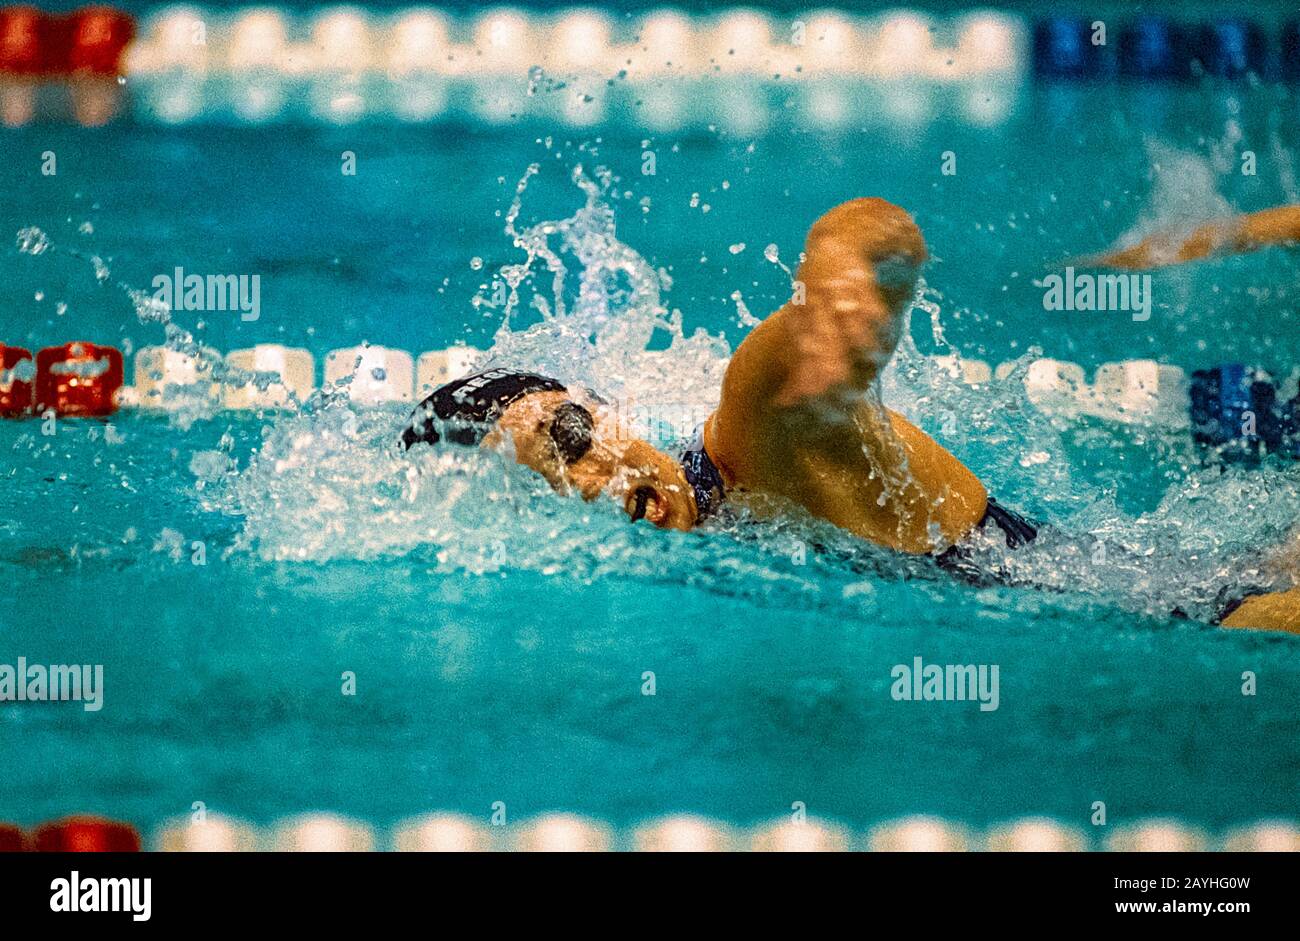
(861, 263)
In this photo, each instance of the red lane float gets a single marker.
(87, 41)
(15, 381)
(26, 34)
(97, 36)
(86, 834)
(11, 839)
(78, 379)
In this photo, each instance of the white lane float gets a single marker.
(372, 375)
(902, 45)
(342, 41)
(558, 66)
(664, 43)
(212, 834)
(442, 833)
(920, 834)
(829, 44)
(563, 833)
(257, 40)
(167, 379)
(741, 42)
(683, 834)
(503, 43)
(1267, 836)
(295, 370)
(988, 43)
(322, 833)
(807, 836)
(438, 367)
(1034, 835)
(1157, 836)
(418, 42)
(174, 39)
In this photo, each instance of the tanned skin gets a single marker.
(800, 415)
(1234, 235)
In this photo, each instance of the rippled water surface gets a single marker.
(500, 635)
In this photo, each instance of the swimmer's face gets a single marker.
(578, 444)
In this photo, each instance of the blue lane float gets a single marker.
(1152, 47)
(1238, 413)
(1064, 48)
(1289, 64)
(1156, 48)
(1232, 48)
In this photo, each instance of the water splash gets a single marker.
(329, 481)
(1184, 194)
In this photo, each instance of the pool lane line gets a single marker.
(454, 832)
(87, 378)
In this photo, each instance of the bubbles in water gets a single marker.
(1184, 193)
(743, 316)
(32, 241)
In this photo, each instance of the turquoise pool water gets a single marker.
(500, 635)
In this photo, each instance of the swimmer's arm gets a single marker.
(831, 339)
(1279, 611)
(1233, 236)
(795, 395)
(1276, 612)
(843, 321)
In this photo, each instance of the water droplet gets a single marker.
(32, 241)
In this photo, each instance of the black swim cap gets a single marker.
(469, 406)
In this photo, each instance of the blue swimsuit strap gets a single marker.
(703, 476)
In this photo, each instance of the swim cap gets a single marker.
(469, 406)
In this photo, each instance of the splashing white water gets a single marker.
(329, 482)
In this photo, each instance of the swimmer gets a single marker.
(800, 416)
(1230, 235)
